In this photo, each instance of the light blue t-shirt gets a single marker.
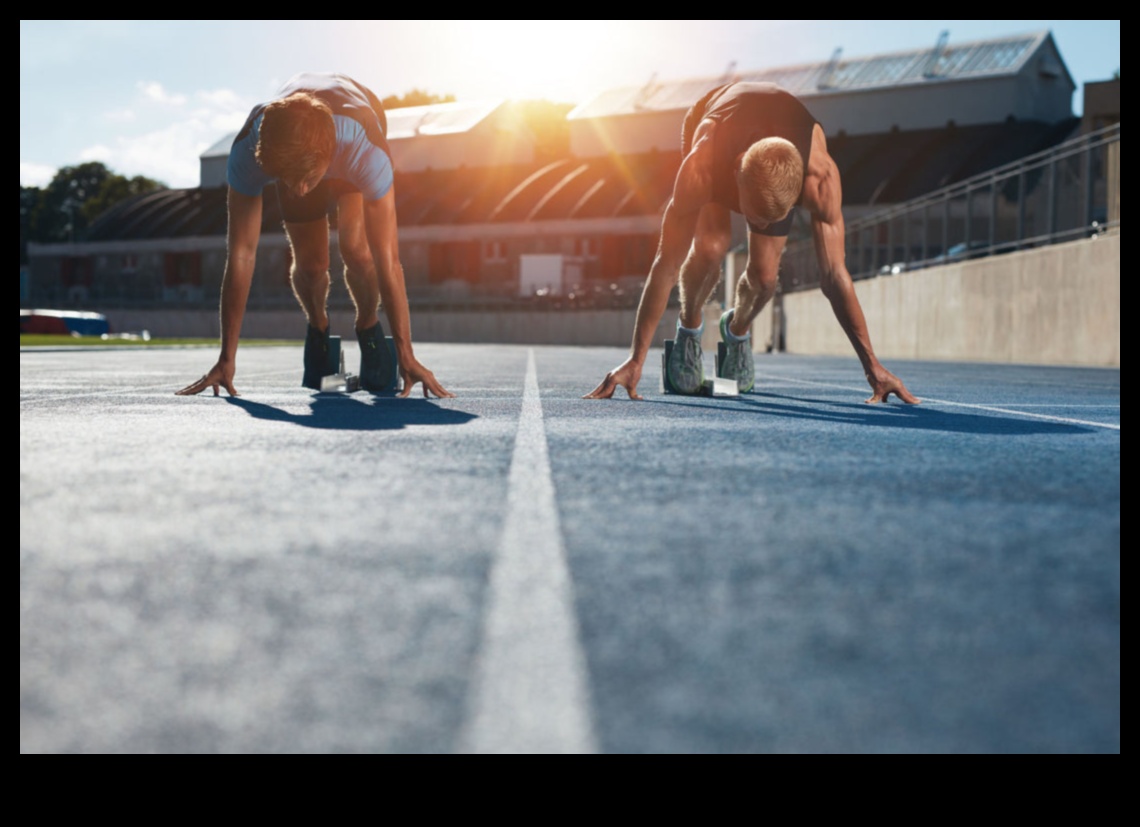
(361, 156)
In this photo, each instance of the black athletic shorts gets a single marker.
(689, 128)
(316, 204)
(321, 202)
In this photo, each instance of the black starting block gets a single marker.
(395, 385)
(338, 380)
(717, 386)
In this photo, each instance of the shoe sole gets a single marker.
(667, 385)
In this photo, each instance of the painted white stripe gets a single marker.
(992, 408)
(530, 691)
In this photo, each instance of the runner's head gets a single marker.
(770, 178)
(296, 140)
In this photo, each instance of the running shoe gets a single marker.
(377, 367)
(738, 363)
(316, 357)
(686, 366)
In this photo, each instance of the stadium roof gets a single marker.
(887, 167)
(438, 118)
(943, 62)
(409, 121)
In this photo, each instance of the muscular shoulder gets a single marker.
(823, 191)
(693, 188)
(361, 161)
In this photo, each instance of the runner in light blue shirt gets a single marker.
(322, 141)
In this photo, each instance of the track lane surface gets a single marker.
(791, 571)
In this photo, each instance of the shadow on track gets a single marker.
(347, 414)
(924, 417)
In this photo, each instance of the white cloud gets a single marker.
(225, 99)
(168, 150)
(35, 175)
(119, 115)
(153, 90)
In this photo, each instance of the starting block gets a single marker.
(395, 386)
(717, 386)
(338, 380)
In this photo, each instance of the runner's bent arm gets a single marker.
(677, 227)
(825, 200)
(242, 234)
(381, 230)
(243, 231)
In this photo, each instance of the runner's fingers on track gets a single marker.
(898, 390)
(207, 382)
(196, 387)
(609, 385)
(604, 390)
(436, 388)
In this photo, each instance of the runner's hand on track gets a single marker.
(221, 374)
(627, 375)
(415, 372)
(883, 383)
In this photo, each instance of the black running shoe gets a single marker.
(316, 357)
(377, 366)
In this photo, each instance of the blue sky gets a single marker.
(146, 97)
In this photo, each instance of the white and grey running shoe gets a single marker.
(686, 366)
(738, 363)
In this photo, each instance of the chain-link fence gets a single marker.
(1067, 192)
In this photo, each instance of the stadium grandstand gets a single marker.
(475, 202)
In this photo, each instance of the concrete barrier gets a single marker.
(579, 327)
(1057, 305)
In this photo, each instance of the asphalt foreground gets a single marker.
(521, 570)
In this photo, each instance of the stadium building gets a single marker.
(483, 218)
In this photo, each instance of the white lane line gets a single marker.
(1013, 411)
(530, 691)
(1055, 405)
(144, 388)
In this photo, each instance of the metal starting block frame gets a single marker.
(717, 386)
(338, 380)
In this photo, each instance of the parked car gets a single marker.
(64, 322)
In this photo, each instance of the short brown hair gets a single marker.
(297, 136)
(772, 175)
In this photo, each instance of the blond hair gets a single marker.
(297, 136)
(770, 178)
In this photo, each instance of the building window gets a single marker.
(494, 252)
(130, 262)
(586, 248)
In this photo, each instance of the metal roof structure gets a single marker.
(408, 122)
(221, 149)
(882, 168)
(964, 61)
(438, 118)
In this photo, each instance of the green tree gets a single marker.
(416, 97)
(115, 189)
(29, 199)
(75, 197)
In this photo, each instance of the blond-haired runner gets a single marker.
(754, 149)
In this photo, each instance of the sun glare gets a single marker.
(565, 60)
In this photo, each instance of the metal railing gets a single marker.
(1067, 192)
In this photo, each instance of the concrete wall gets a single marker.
(1056, 305)
(586, 327)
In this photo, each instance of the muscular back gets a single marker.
(741, 114)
